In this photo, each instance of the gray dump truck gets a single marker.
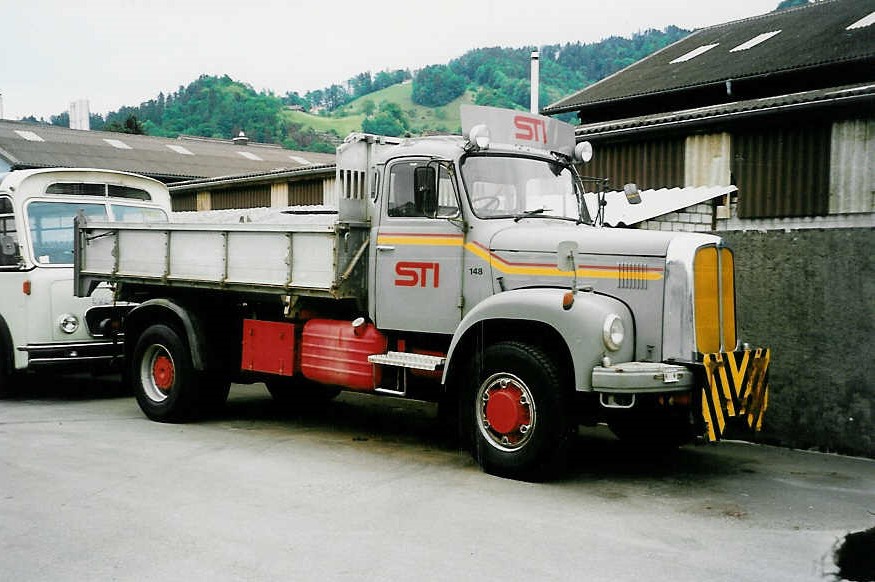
(464, 270)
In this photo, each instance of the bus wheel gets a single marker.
(7, 373)
(163, 376)
(522, 412)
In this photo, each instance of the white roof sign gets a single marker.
(520, 128)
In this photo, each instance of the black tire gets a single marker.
(214, 390)
(7, 374)
(297, 393)
(163, 376)
(520, 407)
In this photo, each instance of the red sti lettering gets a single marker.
(411, 274)
(531, 128)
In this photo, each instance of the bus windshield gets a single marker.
(51, 225)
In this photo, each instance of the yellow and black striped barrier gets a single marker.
(737, 388)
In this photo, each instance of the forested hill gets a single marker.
(388, 102)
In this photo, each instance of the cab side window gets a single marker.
(405, 201)
(9, 249)
(402, 201)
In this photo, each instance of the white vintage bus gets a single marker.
(42, 323)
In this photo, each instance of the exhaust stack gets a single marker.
(535, 81)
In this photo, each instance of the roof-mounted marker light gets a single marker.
(583, 152)
(479, 136)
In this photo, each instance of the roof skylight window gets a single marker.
(760, 38)
(179, 149)
(118, 144)
(863, 22)
(250, 156)
(28, 135)
(300, 160)
(694, 53)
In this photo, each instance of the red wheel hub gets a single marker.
(162, 373)
(506, 410)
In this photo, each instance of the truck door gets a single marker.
(419, 249)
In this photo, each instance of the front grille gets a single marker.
(714, 297)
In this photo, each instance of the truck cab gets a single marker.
(42, 324)
(487, 239)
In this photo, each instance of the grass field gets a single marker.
(349, 118)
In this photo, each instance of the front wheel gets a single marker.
(521, 407)
(163, 376)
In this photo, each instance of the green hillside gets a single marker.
(388, 102)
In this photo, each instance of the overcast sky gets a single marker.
(123, 52)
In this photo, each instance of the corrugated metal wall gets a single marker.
(649, 164)
(306, 192)
(329, 191)
(707, 160)
(782, 171)
(251, 197)
(852, 171)
(184, 202)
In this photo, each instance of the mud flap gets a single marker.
(736, 390)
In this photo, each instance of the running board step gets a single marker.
(408, 360)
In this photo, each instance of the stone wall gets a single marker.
(810, 295)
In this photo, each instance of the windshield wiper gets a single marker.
(528, 213)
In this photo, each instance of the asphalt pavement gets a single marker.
(369, 489)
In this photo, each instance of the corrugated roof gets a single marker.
(864, 92)
(321, 170)
(163, 158)
(806, 38)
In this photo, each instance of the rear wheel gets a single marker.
(163, 376)
(521, 412)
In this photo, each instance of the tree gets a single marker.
(437, 85)
(368, 107)
(61, 120)
(130, 125)
(382, 124)
(790, 4)
(389, 121)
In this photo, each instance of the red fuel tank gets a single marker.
(334, 352)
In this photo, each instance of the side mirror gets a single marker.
(425, 190)
(7, 246)
(633, 196)
(566, 259)
(9, 255)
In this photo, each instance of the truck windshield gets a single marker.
(51, 225)
(517, 187)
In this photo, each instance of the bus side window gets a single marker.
(9, 250)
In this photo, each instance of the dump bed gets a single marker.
(323, 258)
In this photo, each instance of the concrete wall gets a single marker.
(810, 295)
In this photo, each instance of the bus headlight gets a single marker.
(68, 323)
(613, 332)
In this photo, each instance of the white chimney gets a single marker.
(80, 116)
(535, 80)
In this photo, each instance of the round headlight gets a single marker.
(68, 323)
(613, 332)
